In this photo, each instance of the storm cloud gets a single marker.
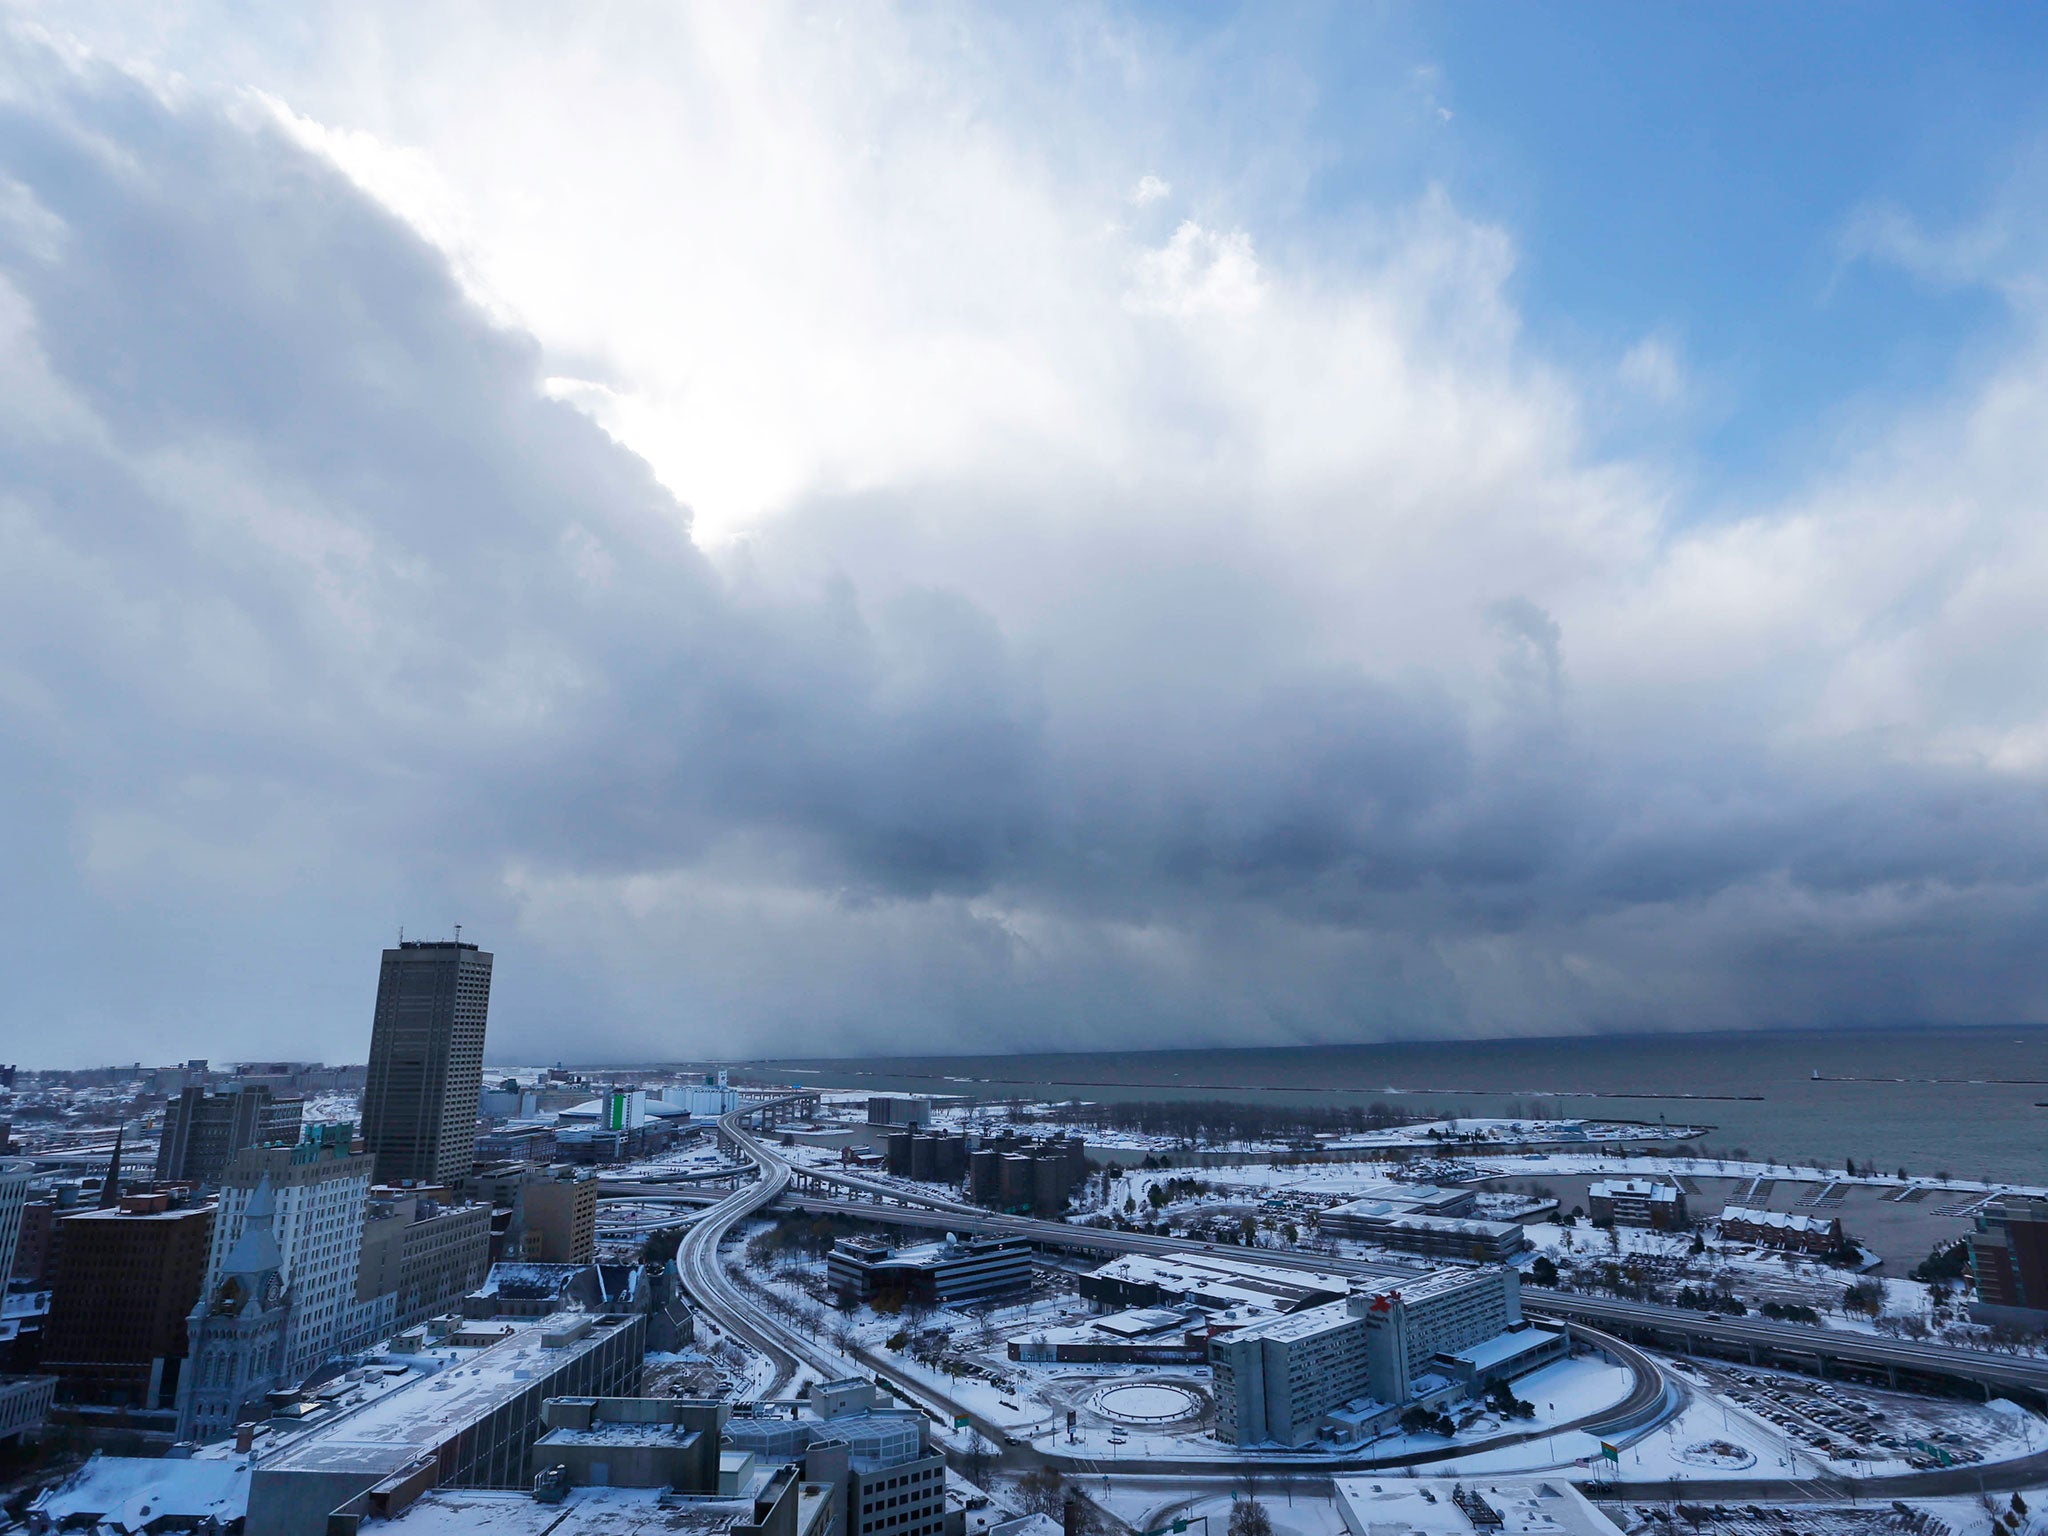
(1298, 670)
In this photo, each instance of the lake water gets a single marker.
(1957, 1101)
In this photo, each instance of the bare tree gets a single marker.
(1248, 1517)
(1042, 1491)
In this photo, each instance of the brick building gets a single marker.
(125, 1281)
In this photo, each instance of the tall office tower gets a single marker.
(426, 1061)
(203, 1131)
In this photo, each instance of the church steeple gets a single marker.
(110, 1186)
(249, 1273)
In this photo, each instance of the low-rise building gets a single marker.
(145, 1495)
(1654, 1203)
(1140, 1336)
(941, 1273)
(1441, 1237)
(1482, 1506)
(471, 1424)
(1209, 1281)
(24, 1404)
(1792, 1230)
(776, 1504)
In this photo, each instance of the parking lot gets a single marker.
(1848, 1423)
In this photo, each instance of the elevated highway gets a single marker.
(1898, 1362)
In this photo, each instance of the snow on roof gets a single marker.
(1432, 1507)
(1503, 1347)
(1654, 1189)
(1784, 1221)
(1225, 1282)
(585, 1512)
(130, 1492)
(389, 1432)
(1140, 1321)
(529, 1280)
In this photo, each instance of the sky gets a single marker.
(863, 528)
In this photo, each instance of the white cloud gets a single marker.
(1150, 189)
(1110, 636)
(1652, 368)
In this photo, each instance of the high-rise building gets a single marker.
(14, 1177)
(126, 1280)
(240, 1332)
(203, 1131)
(427, 1061)
(560, 1221)
(421, 1255)
(317, 1192)
(2009, 1261)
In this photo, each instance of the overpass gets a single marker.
(1893, 1362)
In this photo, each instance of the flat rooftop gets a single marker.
(1503, 1347)
(1226, 1281)
(387, 1433)
(1426, 1507)
(610, 1511)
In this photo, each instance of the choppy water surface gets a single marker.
(1961, 1101)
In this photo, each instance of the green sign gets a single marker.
(959, 1421)
(1611, 1452)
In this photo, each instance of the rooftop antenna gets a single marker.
(458, 933)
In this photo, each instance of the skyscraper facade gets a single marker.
(426, 1061)
(203, 1131)
(314, 1195)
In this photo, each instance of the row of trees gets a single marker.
(1217, 1122)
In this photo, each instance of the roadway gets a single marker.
(1785, 1340)
(704, 1276)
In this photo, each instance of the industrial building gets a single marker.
(1026, 1176)
(933, 1156)
(889, 1109)
(939, 1273)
